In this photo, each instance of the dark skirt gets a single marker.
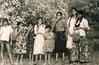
(30, 41)
(60, 42)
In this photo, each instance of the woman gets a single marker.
(70, 28)
(5, 32)
(60, 38)
(39, 31)
(83, 27)
(76, 32)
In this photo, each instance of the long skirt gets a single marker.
(84, 51)
(60, 42)
(80, 51)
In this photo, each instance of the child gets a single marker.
(5, 32)
(20, 46)
(30, 41)
(39, 31)
(49, 44)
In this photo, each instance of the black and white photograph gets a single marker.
(49, 32)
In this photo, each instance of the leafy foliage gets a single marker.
(27, 11)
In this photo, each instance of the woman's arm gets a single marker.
(1, 31)
(86, 25)
(11, 39)
(11, 32)
(35, 29)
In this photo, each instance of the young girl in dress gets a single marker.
(39, 31)
(30, 41)
(49, 44)
(20, 46)
(5, 32)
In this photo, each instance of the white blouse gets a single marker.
(40, 29)
(71, 26)
(83, 24)
(5, 32)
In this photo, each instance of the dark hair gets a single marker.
(48, 26)
(5, 20)
(18, 23)
(79, 19)
(39, 18)
(73, 8)
(59, 13)
(81, 12)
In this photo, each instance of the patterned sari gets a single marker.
(80, 51)
(84, 53)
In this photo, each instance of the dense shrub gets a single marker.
(28, 10)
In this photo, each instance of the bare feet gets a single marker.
(2, 63)
(56, 62)
(16, 63)
(49, 63)
(45, 63)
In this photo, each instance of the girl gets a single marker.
(30, 41)
(39, 31)
(20, 46)
(60, 36)
(49, 44)
(5, 33)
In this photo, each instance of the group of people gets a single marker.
(67, 38)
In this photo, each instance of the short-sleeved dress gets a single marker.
(39, 39)
(49, 42)
(20, 46)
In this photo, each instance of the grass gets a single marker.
(94, 48)
(95, 61)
